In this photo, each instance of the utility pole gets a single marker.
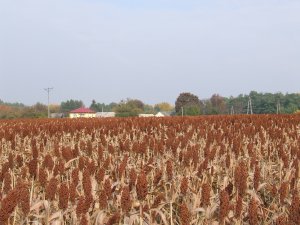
(48, 92)
(232, 111)
(249, 107)
(278, 107)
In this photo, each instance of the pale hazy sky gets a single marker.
(147, 49)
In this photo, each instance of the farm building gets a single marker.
(105, 114)
(162, 114)
(57, 115)
(159, 114)
(82, 113)
(146, 115)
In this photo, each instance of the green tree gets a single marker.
(239, 104)
(291, 103)
(149, 109)
(163, 107)
(264, 103)
(135, 103)
(191, 110)
(187, 101)
(98, 107)
(70, 105)
(94, 106)
(130, 107)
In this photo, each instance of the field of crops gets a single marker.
(179, 170)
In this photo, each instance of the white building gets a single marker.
(105, 114)
(146, 115)
(82, 113)
(159, 114)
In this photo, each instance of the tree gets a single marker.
(291, 103)
(38, 110)
(192, 110)
(239, 104)
(98, 107)
(163, 107)
(54, 108)
(264, 103)
(94, 106)
(130, 107)
(7, 112)
(135, 103)
(217, 104)
(189, 103)
(70, 105)
(15, 104)
(149, 109)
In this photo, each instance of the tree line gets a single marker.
(261, 103)
(185, 104)
(125, 108)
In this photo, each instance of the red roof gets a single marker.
(82, 110)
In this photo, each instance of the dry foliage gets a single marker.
(190, 170)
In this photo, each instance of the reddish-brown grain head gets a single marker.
(72, 191)
(51, 189)
(125, 200)
(43, 177)
(256, 178)
(283, 191)
(114, 219)
(224, 205)
(184, 186)
(24, 197)
(103, 200)
(169, 170)
(7, 182)
(205, 194)
(75, 176)
(63, 194)
(238, 207)
(184, 215)
(253, 212)
(141, 186)
(107, 188)
(294, 210)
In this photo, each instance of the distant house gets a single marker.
(146, 115)
(162, 114)
(56, 115)
(105, 114)
(82, 113)
(159, 114)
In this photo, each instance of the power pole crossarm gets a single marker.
(48, 92)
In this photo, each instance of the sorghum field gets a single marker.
(175, 170)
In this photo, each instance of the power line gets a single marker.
(48, 92)
(240, 107)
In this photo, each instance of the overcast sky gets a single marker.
(152, 50)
